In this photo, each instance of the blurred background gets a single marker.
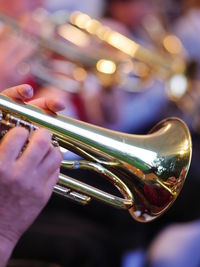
(120, 64)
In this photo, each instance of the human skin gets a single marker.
(26, 179)
(16, 49)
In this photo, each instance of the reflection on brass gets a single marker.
(148, 170)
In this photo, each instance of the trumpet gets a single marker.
(148, 170)
(148, 62)
(100, 62)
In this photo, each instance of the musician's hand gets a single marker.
(26, 178)
(24, 92)
(26, 183)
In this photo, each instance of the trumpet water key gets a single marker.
(148, 170)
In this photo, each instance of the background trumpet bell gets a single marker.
(148, 170)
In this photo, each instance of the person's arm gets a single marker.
(26, 179)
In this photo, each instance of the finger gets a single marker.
(51, 162)
(51, 182)
(37, 148)
(49, 103)
(53, 179)
(19, 92)
(13, 143)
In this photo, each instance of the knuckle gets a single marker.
(19, 178)
(42, 142)
(44, 132)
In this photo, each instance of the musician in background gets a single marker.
(153, 93)
(21, 51)
(26, 178)
(14, 48)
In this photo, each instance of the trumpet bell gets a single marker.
(148, 170)
(164, 164)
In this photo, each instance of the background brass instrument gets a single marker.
(72, 36)
(183, 89)
(147, 62)
(50, 46)
(165, 59)
(148, 170)
(128, 65)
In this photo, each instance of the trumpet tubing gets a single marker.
(148, 170)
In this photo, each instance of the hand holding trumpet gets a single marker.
(21, 174)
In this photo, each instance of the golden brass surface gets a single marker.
(148, 170)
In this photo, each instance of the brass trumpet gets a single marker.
(148, 170)
(98, 61)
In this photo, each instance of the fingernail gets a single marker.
(28, 91)
(61, 104)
